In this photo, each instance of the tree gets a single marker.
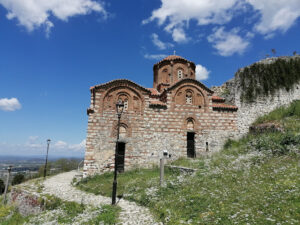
(2, 187)
(18, 179)
(294, 53)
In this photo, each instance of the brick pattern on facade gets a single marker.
(156, 119)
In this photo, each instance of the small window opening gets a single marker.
(122, 133)
(190, 125)
(179, 73)
(125, 104)
(189, 98)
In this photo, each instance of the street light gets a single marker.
(120, 108)
(6, 185)
(45, 169)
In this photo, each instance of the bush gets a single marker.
(277, 143)
(281, 113)
(18, 179)
(264, 79)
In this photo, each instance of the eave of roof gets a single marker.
(217, 99)
(105, 85)
(173, 58)
(189, 80)
(154, 91)
(225, 106)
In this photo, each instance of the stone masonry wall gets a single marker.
(151, 132)
(249, 112)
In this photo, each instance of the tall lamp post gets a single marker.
(6, 185)
(120, 108)
(45, 169)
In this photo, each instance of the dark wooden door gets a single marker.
(121, 157)
(191, 145)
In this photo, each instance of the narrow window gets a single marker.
(189, 98)
(179, 73)
(125, 101)
(190, 125)
(125, 104)
(122, 132)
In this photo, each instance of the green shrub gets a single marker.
(264, 79)
(18, 179)
(281, 113)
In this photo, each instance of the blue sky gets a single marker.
(52, 51)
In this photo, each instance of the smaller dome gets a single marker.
(173, 58)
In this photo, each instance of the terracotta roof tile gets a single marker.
(156, 102)
(217, 99)
(224, 106)
(121, 81)
(173, 57)
(154, 91)
(189, 80)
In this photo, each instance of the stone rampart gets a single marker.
(249, 111)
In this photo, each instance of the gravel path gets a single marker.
(60, 186)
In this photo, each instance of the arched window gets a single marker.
(190, 124)
(180, 74)
(126, 104)
(189, 98)
(122, 132)
(124, 99)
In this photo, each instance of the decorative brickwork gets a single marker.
(156, 119)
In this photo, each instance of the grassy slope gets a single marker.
(254, 180)
(61, 212)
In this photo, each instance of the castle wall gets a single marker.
(153, 130)
(249, 112)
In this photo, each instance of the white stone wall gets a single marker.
(249, 112)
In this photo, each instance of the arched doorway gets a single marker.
(191, 153)
(120, 159)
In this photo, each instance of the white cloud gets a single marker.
(37, 146)
(155, 56)
(160, 44)
(179, 35)
(60, 145)
(11, 104)
(70, 147)
(177, 14)
(204, 11)
(78, 147)
(36, 13)
(228, 43)
(276, 14)
(201, 72)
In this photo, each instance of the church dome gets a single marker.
(170, 70)
(174, 58)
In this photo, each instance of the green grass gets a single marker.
(254, 180)
(107, 215)
(102, 184)
(293, 110)
(10, 216)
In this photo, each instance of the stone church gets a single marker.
(179, 114)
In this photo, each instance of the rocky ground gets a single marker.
(60, 186)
